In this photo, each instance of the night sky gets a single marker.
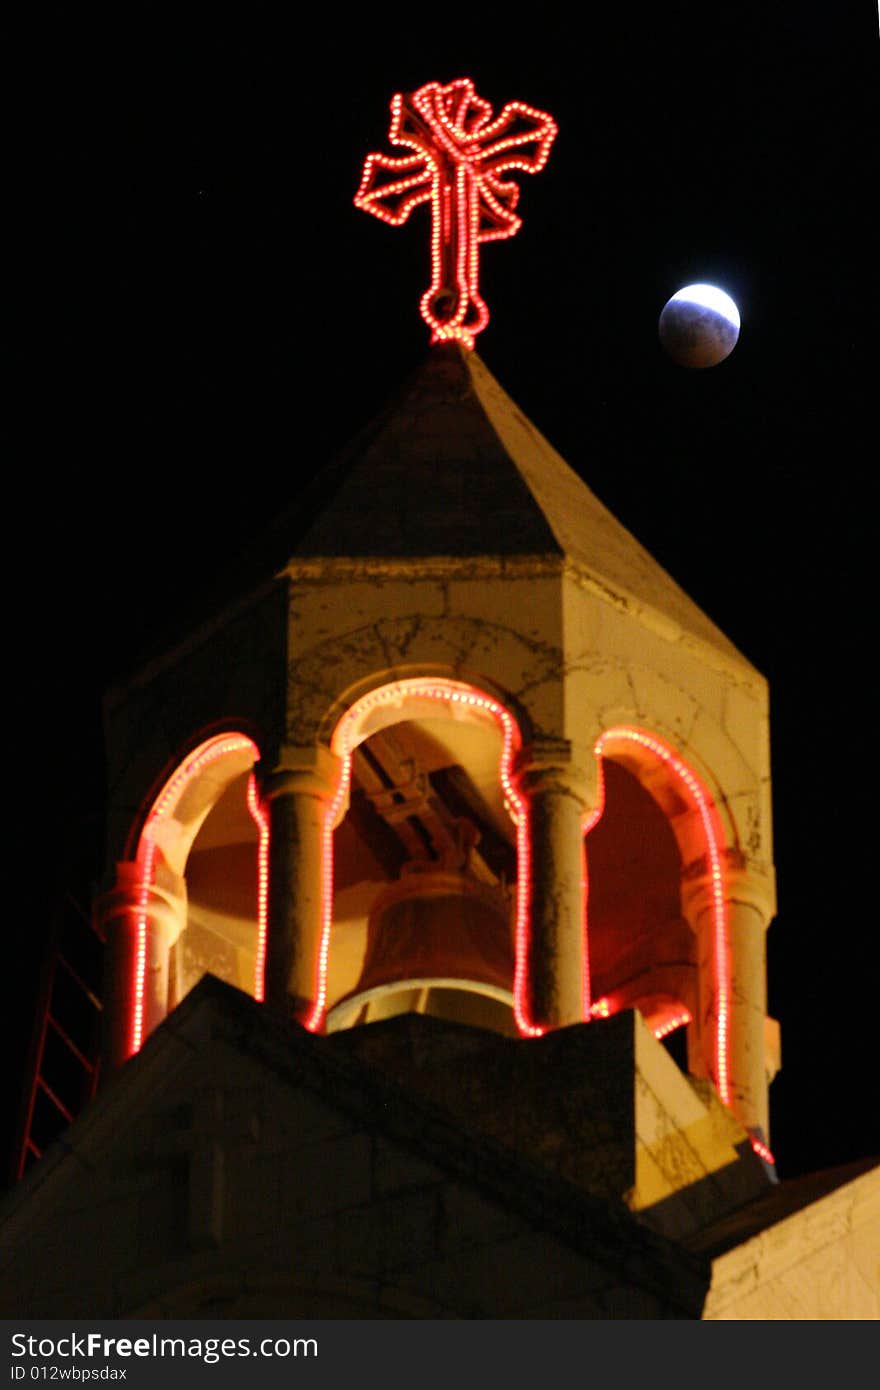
(214, 319)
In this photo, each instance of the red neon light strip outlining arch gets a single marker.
(672, 1024)
(713, 838)
(163, 807)
(453, 693)
(261, 820)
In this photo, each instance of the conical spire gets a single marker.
(453, 469)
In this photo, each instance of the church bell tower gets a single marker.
(470, 753)
(438, 869)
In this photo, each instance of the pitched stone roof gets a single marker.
(782, 1201)
(453, 469)
(119, 1134)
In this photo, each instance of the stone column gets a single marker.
(116, 916)
(748, 900)
(297, 791)
(559, 796)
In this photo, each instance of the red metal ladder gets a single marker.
(65, 1051)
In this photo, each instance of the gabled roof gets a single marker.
(780, 1202)
(453, 469)
(202, 1043)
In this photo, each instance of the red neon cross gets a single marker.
(459, 156)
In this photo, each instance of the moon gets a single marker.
(699, 326)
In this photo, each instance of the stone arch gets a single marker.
(183, 797)
(625, 694)
(684, 789)
(526, 671)
(150, 914)
(439, 672)
(691, 812)
(377, 704)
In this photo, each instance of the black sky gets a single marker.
(213, 318)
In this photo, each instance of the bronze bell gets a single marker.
(438, 924)
(439, 928)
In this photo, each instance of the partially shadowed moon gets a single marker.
(699, 326)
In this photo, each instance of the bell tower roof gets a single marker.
(452, 468)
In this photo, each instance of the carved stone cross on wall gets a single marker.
(190, 1142)
(459, 158)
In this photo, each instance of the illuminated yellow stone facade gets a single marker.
(451, 546)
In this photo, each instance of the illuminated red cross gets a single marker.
(459, 157)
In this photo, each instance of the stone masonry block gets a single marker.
(332, 1175)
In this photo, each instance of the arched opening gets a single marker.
(656, 822)
(202, 859)
(642, 951)
(426, 913)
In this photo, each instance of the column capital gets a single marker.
(742, 884)
(301, 771)
(754, 887)
(165, 900)
(549, 765)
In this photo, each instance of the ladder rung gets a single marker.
(33, 1148)
(80, 1056)
(78, 908)
(92, 997)
(59, 1104)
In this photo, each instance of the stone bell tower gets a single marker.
(471, 753)
(422, 859)
(474, 752)
(438, 871)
